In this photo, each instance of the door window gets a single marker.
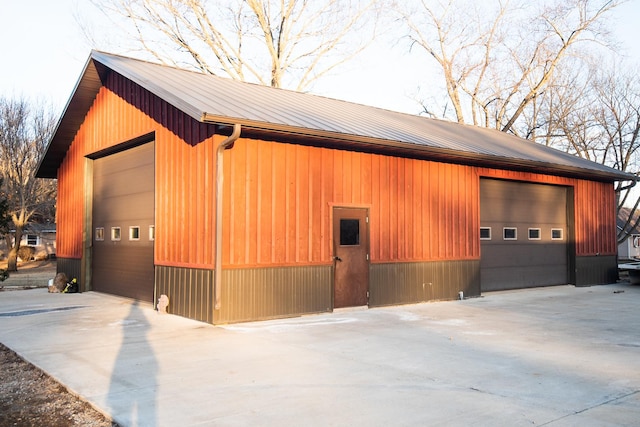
(349, 232)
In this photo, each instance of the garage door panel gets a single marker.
(522, 203)
(116, 187)
(140, 157)
(526, 255)
(495, 279)
(124, 279)
(524, 262)
(124, 198)
(127, 207)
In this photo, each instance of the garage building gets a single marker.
(243, 202)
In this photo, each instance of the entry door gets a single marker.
(351, 256)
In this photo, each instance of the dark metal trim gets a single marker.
(596, 270)
(123, 146)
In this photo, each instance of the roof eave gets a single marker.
(423, 151)
(74, 112)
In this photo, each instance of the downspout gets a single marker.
(628, 187)
(224, 145)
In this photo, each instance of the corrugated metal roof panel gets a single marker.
(224, 101)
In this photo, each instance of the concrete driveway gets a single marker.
(559, 356)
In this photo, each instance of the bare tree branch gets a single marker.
(286, 43)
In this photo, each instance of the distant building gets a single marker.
(243, 202)
(630, 248)
(41, 237)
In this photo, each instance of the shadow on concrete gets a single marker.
(132, 390)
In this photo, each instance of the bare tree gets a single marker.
(287, 43)
(498, 57)
(600, 121)
(24, 133)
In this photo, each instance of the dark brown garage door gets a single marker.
(123, 223)
(523, 235)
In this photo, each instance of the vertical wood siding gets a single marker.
(70, 204)
(278, 197)
(185, 154)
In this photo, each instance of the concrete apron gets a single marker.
(551, 356)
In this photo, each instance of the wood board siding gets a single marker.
(70, 204)
(185, 154)
(278, 209)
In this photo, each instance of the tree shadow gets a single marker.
(133, 386)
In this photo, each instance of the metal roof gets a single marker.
(283, 113)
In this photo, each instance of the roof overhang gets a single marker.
(82, 97)
(343, 141)
(394, 132)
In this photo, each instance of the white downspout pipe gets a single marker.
(219, 189)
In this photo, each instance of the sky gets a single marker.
(44, 53)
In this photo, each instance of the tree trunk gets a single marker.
(12, 260)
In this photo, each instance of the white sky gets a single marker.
(43, 53)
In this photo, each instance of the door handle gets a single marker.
(337, 258)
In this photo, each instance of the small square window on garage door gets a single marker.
(510, 233)
(115, 234)
(485, 233)
(134, 233)
(99, 234)
(535, 234)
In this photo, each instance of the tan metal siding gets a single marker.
(406, 283)
(190, 291)
(265, 293)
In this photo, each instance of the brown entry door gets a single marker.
(351, 256)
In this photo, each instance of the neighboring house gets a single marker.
(630, 248)
(243, 202)
(42, 237)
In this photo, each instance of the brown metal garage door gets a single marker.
(123, 223)
(523, 232)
